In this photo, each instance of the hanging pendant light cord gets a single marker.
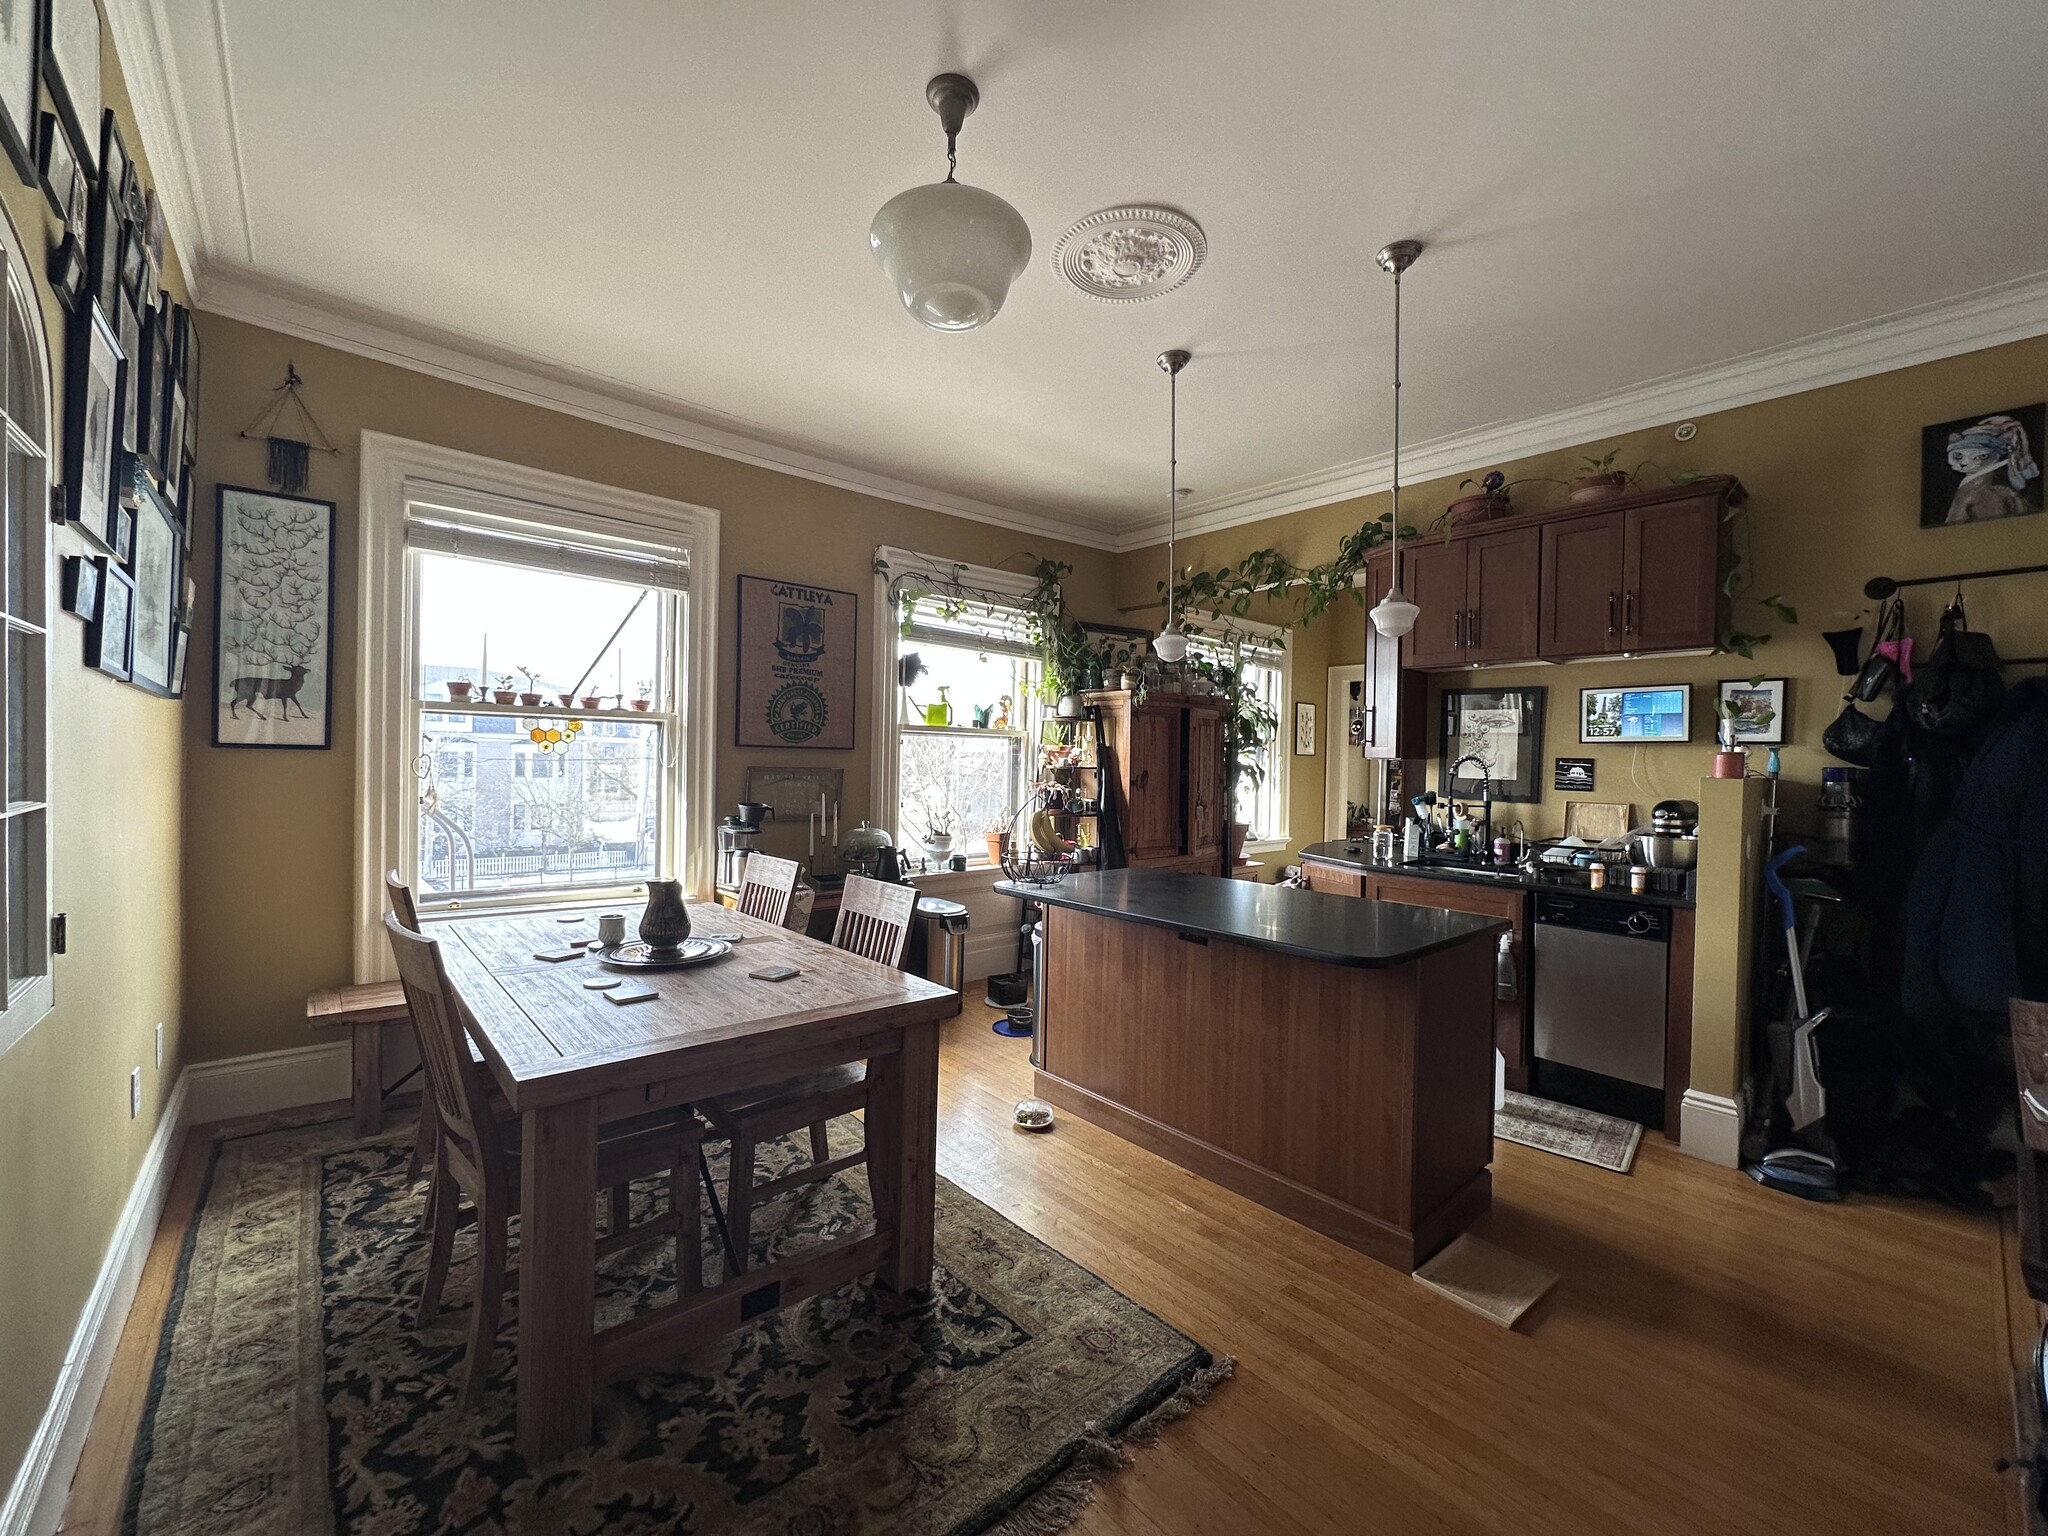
(1172, 491)
(1396, 576)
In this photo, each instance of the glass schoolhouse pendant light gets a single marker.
(1170, 645)
(1393, 616)
(951, 250)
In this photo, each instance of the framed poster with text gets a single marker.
(797, 653)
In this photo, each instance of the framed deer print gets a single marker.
(273, 620)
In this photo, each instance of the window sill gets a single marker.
(973, 874)
(1266, 845)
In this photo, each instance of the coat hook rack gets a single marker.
(287, 425)
(1880, 587)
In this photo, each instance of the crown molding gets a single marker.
(158, 94)
(460, 360)
(2011, 311)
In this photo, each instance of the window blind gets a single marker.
(633, 565)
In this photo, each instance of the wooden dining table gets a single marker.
(568, 1061)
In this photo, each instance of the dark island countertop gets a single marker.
(1358, 856)
(1340, 930)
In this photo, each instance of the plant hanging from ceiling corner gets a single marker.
(286, 424)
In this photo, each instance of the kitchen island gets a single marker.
(1328, 1057)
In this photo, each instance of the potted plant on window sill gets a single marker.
(531, 697)
(643, 697)
(459, 688)
(502, 693)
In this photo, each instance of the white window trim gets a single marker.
(882, 677)
(1283, 734)
(394, 470)
(39, 998)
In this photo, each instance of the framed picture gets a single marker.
(157, 583)
(134, 263)
(1304, 728)
(103, 248)
(71, 62)
(21, 66)
(109, 637)
(115, 167)
(152, 395)
(57, 166)
(797, 664)
(1978, 469)
(124, 537)
(1754, 710)
(81, 586)
(273, 620)
(181, 648)
(69, 273)
(1660, 713)
(128, 327)
(174, 446)
(155, 229)
(791, 794)
(1502, 730)
(94, 367)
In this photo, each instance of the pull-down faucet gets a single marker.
(1485, 848)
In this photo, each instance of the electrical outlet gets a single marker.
(159, 1042)
(135, 1093)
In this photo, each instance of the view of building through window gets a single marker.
(964, 728)
(548, 796)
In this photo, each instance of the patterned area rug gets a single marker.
(292, 1394)
(1568, 1131)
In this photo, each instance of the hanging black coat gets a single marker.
(1977, 908)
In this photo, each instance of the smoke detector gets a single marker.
(1129, 255)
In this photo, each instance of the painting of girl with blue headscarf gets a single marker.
(1981, 468)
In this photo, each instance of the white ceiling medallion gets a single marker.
(1127, 255)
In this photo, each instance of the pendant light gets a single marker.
(951, 250)
(1393, 616)
(1170, 645)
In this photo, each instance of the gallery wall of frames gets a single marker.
(131, 355)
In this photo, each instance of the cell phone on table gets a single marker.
(775, 973)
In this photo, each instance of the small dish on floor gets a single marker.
(1033, 1115)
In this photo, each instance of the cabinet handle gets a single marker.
(1613, 613)
(1628, 614)
(1458, 630)
(1471, 626)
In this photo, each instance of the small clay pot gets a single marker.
(459, 690)
(568, 700)
(1730, 765)
(1599, 487)
(530, 700)
(502, 695)
(643, 705)
(1476, 509)
(591, 701)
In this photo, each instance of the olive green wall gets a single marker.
(269, 835)
(68, 1147)
(1834, 498)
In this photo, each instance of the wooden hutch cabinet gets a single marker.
(1163, 771)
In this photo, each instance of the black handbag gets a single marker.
(1853, 736)
(1960, 689)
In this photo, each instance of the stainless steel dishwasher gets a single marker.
(1600, 973)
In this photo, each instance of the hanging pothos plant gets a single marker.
(1063, 649)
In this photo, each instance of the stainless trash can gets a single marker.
(938, 944)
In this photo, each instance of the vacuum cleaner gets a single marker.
(1807, 1166)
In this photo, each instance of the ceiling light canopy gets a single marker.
(1170, 645)
(951, 250)
(1393, 616)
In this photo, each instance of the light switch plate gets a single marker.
(159, 1042)
(135, 1093)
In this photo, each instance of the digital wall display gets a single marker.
(1635, 714)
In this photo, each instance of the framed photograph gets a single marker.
(273, 620)
(152, 395)
(1660, 713)
(157, 583)
(124, 537)
(1304, 728)
(1755, 710)
(134, 263)
(1978, 469)
(103, 248)
(1501, 729)
(56, 165)
(185, 351)
(21, 66)
(71, 62)
(791, 794)
(181, 647)
(1574, 775)
(95, 369)
(174, 447)
(797, 664)
(81, 586)
(128, 328)
(115, 167)
(109, 638)
(69, 273)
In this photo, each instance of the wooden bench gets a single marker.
(365, 1009)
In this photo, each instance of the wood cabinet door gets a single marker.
(1584, 577)
(1153, 775)
(1672, 601)
(1207, 812)
(1511, 1015)
(1395, 698)
(1333, 880)
(1502, 594)
(1434, 573)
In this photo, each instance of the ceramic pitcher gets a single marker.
(666, 922)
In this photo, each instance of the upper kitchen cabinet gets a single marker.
(1394, 698)
(1639, 573)
(1479, 595)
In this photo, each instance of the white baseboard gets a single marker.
(35, 1503)
(272, 1080)
(1710, 1127)
(991, 954)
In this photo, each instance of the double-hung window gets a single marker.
(963, 675)
(1256, 653)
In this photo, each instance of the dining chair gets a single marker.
(477, 1155)
(767, 885)
(407, 912)
(874, 923)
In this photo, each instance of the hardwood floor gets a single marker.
(1715, 1357)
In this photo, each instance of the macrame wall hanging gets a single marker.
(289, 428)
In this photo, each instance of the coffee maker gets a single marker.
(739, 835)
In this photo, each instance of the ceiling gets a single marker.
(665, 205)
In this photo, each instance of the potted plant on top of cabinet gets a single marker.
(1599, 479)
(1489, 501)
